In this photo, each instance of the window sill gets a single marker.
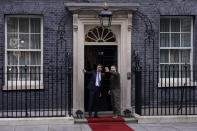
(34, 85)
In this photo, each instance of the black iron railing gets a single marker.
(35, 92)
(166, 91)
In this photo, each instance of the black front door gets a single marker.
(107, 56)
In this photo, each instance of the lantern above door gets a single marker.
(105, 16)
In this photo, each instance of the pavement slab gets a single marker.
(137, 127)
(6, 128)
(64, 128)
(32, 128)
(165, 127)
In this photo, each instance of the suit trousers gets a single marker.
(93, 103)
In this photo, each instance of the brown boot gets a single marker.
(115, 116)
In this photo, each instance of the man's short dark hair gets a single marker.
(99, 65)
(114, 66)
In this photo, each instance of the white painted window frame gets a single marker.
(22, 85)
(176, 82)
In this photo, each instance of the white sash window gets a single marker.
(23, 51)
(176, 50)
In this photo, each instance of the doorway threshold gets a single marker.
(104, 114)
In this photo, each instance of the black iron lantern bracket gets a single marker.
(105, 16)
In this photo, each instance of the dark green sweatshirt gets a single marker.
(114, 80)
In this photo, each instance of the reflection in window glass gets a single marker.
(23, 41)
(12, 40)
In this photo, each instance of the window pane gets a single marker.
(35, 58)
(23, 41)
(35, 25)
(164, 25)
(35, 41)
(185, 71)
(164, 70)
(12, 25)
(175, 25)
(23, 73)
(185, 56)
(174, 71)
(12, 73)
(186, 25)
(13, 58)
(24, 25)
(175, 40)
(164, 56)
(12, 41)
(185, 40)
(174, 56)
(164, 39)
(35, 73)
(24, 58)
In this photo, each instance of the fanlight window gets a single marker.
(100, 34)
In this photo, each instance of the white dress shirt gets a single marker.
(98, 79)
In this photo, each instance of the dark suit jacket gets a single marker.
(91, 85)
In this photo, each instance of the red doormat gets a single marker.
(108, 124)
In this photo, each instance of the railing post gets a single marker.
(26, 113)
(138, 87)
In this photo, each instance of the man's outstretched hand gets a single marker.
(83, 70)
(109, 92)
(100, 94)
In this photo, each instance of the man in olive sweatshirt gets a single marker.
(114, 90)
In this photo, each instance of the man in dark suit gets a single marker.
(95, 87)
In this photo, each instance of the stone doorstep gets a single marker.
(102, 114)
(166, 119)
(37, 121)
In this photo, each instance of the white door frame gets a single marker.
(124, 58)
